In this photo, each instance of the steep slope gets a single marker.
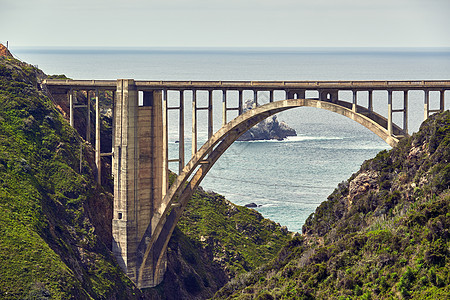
(48, 245)
(55, 226)
(214, 241)
(383, 234)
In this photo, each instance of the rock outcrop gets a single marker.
(269, 129)
(4, 51)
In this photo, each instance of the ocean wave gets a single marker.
(299, 138)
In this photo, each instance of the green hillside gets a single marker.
(383, 234)
(55, 220)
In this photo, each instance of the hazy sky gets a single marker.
(226, 23)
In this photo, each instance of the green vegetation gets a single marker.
(383, 234)
(48, 246)
(240, 238)
(55, 229)
(214, 241)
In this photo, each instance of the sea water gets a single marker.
(286, 179)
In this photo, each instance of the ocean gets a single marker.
(286, 179)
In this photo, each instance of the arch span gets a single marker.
(153, 246)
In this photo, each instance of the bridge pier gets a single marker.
(138, 178)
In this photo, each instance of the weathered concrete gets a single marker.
(138, 177)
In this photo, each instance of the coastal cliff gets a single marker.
(382, 234)
(55, 229)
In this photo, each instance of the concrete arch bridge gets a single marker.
(146, 210)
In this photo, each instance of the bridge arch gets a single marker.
(152, 248)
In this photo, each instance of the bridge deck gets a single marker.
(256, 85)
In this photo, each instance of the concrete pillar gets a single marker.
(240, 102)
(370, 104)
(181, 134)
(194, 122)
(405, 112)
(165, 143)
(113, 126)
(71, 107)
(210, 114)
(255, 97)
(98, 161)
(88, 117)
(301, 94)
(355, 100)
(288, 94)
(138, 176)
(151, 174)
(426, 107)
(389, 125)
(224, 107)
(124, 227)
(442, 101)
(271, 96)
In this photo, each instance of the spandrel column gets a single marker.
(405, 112)
(97, 137)
(224, 107)
(389, 125)
(426, 108)
(194, 122)
(165, 150)
(88, 117)
(181, 134)
(71, 107)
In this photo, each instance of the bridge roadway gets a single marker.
(145, 209)
(143, 85)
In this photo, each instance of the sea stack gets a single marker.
(269, 129)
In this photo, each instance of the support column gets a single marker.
(88, 117)
(71, 107)
(181, 134)
(255, 97)
(442, 101)
(151, 173)
(194, 122)
(240, 102)
(389, 125)
(224, 107)
(98, 161)
(370, 104)
(301, 94)
(271, 96)
(426, 107)
(165, 150)
(210, 114)
(288, 94)
(405, 112)
(113, 126)
(138, 177)
(124, 223)
(355, 100)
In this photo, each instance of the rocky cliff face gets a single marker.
(383, 234)
(269, 129)
(4, 51)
